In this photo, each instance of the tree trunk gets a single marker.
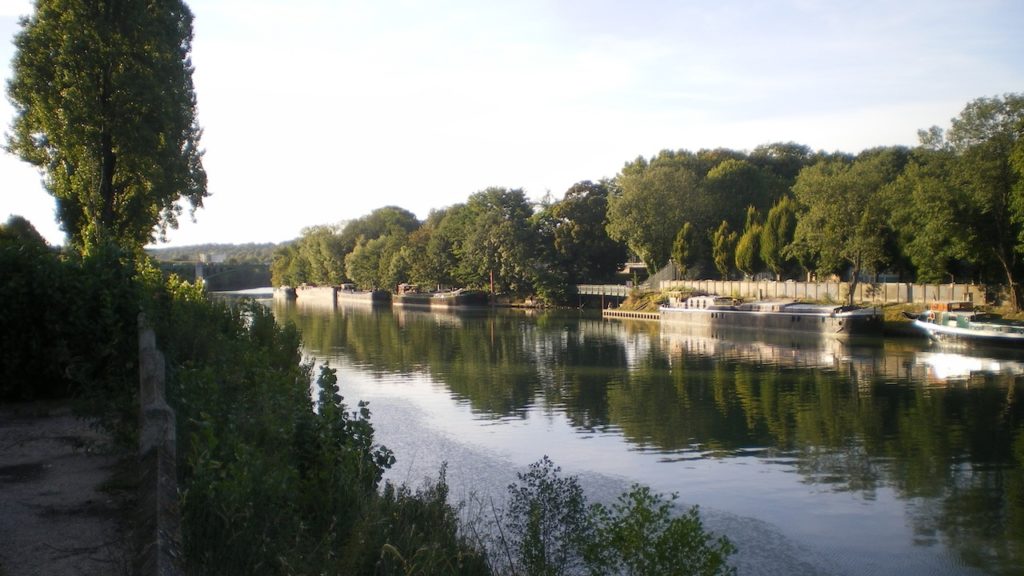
(107, 181)
(854, 278)
(1011, 284)
(107, 158)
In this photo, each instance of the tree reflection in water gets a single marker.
(943, 430)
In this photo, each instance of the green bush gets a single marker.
(274, 482)
(546, 522)
(33, 349)
(639, 535)
(68, 328)
(416, 532)
(550, 530)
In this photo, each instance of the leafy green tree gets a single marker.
(930, 214)
(105, 108)
(362, 265)
(777, 233)
(781, 162)
(449, 231)
(18, 229)
(723, 249)
(547, 520)
(323, 257)
(550, 530)
(684, 248)
(550, 272)
(378, 263)
(731, 187)
(842, 222)
(421, 269)
(499, 241)
(583, 248)
(655, 197)
(380, 222)
(985, 137)
(748, 248)
(288, 267)
(640, 535)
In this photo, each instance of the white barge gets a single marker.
(787, 315)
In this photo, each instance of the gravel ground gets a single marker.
(62, 511)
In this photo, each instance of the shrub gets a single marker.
(550, 530)
(546, 521)
(275, 482)
(640, 535)
(415, 533)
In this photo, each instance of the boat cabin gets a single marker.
(951, 306)
(710, 302)
(768, 306)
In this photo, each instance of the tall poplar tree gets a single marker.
(105, 108)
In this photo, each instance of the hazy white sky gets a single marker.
(317, 111)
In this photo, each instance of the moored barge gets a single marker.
(788, 315)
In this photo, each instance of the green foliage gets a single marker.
(420, 536)
(288, 268)
(777, 234)
(549, 529)
(583, 249)
(655, 197)
(748, 248)
(732, 186)
(272, 486)
(931, 216)
(104, 107)
(498, 242)
(723, 249)
(386, 221)
(321, 251)
(69, 325)
(34, 290)
(547, 521)
(684, 248)
(842, 223)
(985, 137)
(378, 263)
(639, 535)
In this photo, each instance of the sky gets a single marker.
(320, 111)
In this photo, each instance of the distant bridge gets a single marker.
(618, 290)
(607, 293)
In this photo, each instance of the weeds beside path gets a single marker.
(61, 511)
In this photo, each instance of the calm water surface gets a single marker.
(814, 456)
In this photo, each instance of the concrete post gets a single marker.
(158, 531)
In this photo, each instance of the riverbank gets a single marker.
(64, 503)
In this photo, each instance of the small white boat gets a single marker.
(961, 321)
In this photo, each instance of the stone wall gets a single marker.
(866, 292)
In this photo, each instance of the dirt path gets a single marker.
(60, 513)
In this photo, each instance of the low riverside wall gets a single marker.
(866, 292)
(630, 314)
(158, 519)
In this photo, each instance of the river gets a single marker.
(814, 456)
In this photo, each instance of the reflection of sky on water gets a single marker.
(943, 366)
